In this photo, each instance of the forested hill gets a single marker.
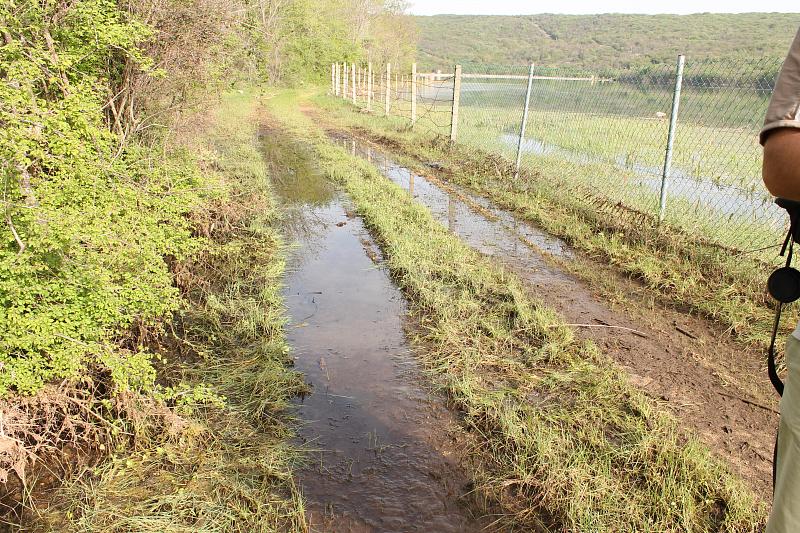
(601, 42)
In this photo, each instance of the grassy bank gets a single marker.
(566, 442)
(221, 462)
(718, 283)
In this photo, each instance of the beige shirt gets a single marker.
(784, 108)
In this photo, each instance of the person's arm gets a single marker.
(781, 133)
(781, 171)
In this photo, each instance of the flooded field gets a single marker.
(386, 452)
(702, 191)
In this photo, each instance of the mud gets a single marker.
(386, 454)
(714, 385)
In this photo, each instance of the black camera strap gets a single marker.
(772, 369)
(783, 285)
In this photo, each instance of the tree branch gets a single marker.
(17, 238)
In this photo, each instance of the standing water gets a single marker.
(385, 453)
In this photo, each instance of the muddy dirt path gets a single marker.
(386, 452)
(694, 369)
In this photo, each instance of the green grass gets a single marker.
(729, 156)
(715, 282)
(564, 441)
(213, 468)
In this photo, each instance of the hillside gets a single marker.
(604, 42)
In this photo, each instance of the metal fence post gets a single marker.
(673, 121)
(413, 93)
(388, 86)
(353, 69)
(524, 121)
(456, 101)
(369, 86)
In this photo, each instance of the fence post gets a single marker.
(333, 78)
(413, 93)
(336, 79)
(369, 86)
(345, 81)
(524, 121)
(673, 122)
(353, 69)
(456, 101)
(388, 85)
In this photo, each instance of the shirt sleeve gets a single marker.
(784, 108)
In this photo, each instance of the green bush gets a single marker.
(88, 221)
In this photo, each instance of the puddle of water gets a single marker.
(388, 456)
(293, 174)
(701, 191)
(496, 233)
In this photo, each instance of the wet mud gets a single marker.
(386, 453)
(714, 385)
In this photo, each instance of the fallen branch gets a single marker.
(608, 326)
(749, 402)
(685, 332)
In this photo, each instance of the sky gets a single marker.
(526, 7)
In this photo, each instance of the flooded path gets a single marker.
(386, 453)
(699, 373)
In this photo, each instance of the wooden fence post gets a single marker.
(388, 86)
(345, 81)
(456, 101)
(369, 86)
(353, 68)
(413, 93)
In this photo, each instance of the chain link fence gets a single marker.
(678, 143)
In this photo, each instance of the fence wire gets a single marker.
(605, 137)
